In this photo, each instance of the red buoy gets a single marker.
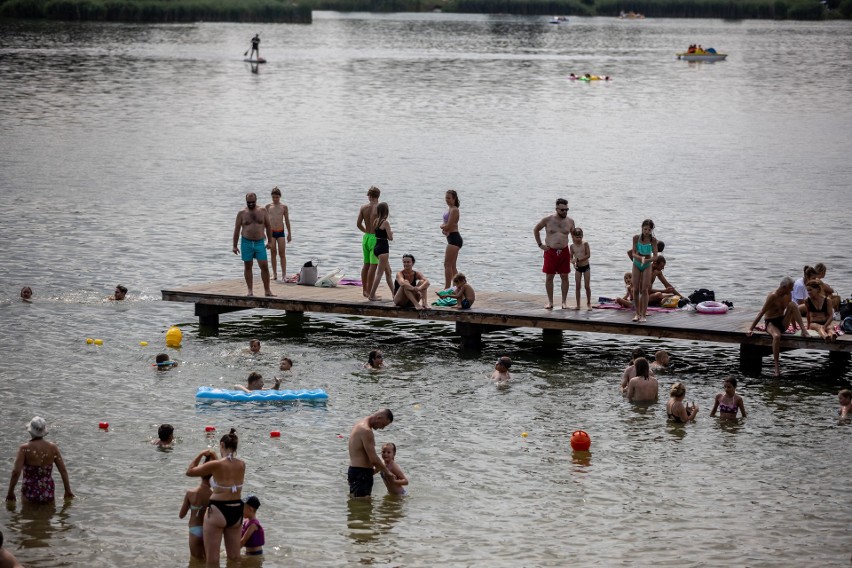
(209, 428)
(103, 425)
(580, 441)
(275, 434)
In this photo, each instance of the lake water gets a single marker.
(125, 152)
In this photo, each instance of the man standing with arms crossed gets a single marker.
(557, 253)
(365, 223)
(253, 225)
(362, 453)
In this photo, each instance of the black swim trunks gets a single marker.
(455, 239)
(777, 322)
(360, 481)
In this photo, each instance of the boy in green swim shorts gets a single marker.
(365, 222)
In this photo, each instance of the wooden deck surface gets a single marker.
(500, 309)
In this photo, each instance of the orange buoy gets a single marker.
(103, 425)
(209, 428)
(275, 434)
(580, 441)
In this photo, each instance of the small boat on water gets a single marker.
(702, 56)
(630, 16)
(558, 20)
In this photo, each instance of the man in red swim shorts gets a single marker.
(557, 252)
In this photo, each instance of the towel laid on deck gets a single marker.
(445, 302)
(618, 307)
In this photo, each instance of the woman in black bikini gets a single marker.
(383, 232)
(450, 229)
(675, 409)
(820, 311)
(225, 514)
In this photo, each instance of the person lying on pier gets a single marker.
(501, 370)
(630, 371)
(780, 311)
(254, 382)
(644, 386)
(375, 360)
(410, 286)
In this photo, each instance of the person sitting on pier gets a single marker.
(800, 289)
(626, 301)
(830, 293)
(644, 386)
(410, 285)
(656, 295)
(779, 311)
(464, 294)
(630, 371)
(254, 382)
(375, 360)
(820, 312)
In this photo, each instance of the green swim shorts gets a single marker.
(368, 243)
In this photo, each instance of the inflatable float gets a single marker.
(711, 308)
(210, 393)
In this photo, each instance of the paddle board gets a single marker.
(258, 60)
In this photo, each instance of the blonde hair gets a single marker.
(677, 390)
(460, 277)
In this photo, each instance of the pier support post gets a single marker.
(751, 358)
(840, 358)
(470, 334)
(294, 318)
(552, 338)
(208, 319)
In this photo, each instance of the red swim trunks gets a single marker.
(557, 261)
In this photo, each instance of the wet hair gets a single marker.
(387, 414)
(411, 256)
(162, 358)
(165, 431)
(577, 232)
(454, 194)
(254, 377)
(253, 341)
(505, 361)
(845, 393)
(660, 246)
(561, 201)
(460, 277)
(660, 259)
(786, 281)
(643, 369)
(374, 191)
(122, 288)
(637, 353)
(230, 440)
(382, 212)
(392, 446)
(253, 502)
(287, 359)
(661, 354)
(820, 268)
(371, 357)
(677, 390)
(276, 191)
(26, 289)
(731, 380)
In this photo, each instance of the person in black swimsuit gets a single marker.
(410, 285)
(255, 47)
(675, 409)
(384, 234)
(820, 311)
(779, 310)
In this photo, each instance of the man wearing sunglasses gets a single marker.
(557, 253)
(251, 227)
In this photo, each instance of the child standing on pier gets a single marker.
(279, 218)
(580, 253)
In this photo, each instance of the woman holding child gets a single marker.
(225, 514)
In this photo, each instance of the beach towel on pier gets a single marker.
(618, 307)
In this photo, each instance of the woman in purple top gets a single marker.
(450, 228)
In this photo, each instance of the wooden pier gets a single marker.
(501, 310)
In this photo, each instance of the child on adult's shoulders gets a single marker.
(464, 294)
(501, 370)
(395, 479)
(254, 382)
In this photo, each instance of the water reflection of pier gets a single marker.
(495, 311)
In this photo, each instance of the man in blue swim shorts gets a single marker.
(251, 227)
(366, 224)
(363, 459)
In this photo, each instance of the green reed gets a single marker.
(725, 9)
(158, 10)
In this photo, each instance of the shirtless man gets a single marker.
(364, 462)
(779, 310)
(557, 254)
(279, 217)
(365, 222)
(253, 224)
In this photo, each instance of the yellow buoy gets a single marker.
(99, 341)
(174, 336)
(143, 343)
(89, 340)
(523, 434)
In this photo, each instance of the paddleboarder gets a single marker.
(255, 47)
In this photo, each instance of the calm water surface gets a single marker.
(125, 152)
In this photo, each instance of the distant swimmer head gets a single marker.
(26, 293)
(677, 390)
(504, 362)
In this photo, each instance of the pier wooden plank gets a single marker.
(499, 309)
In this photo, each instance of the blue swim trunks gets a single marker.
(252, 249)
